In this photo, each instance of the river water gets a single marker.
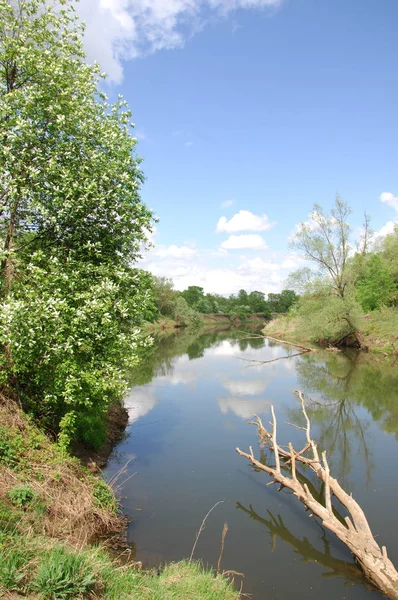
(189, 407)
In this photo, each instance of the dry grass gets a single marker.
(72, 504)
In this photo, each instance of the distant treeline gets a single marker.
(186, 307)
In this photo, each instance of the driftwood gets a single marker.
(306, 348)
(355, 531)
(265, 362)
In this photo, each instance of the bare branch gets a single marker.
(354, 530)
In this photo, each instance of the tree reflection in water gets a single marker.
(338, 387)
(336, 567)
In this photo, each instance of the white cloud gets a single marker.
(139, 401)
(173, 251)
(188, 144)
(244, 220)
(223, 271)
(390, 199)
(243, 407)
(389, 227)
(245, 387)
(292, 261)
(123, 29)
(227, 203)
(240, 242)
(386, 229)
(257, 265)
(225, 348)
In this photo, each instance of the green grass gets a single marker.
(378, 330)
(31, 565)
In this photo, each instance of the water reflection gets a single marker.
(356, 378)
(243, 407)
(348, 571)
(191, 396)
(139, 401)
(338, 388)
(245, 387)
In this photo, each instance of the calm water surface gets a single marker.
(189, 408)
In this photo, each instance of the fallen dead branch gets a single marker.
(265, 362)
(289, 343)
(354, 531)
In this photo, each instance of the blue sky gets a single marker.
(252, 110)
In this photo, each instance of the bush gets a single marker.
(22, 495)
(7, 453)
(104, 496)
(63, 576)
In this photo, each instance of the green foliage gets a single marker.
(193, 294)
(22, 495)
(9, 517)
(72, 225)
(62, 575)
(184, 315)
(164, 296)
(104, 496)
(376, 286)
(388, 249)
(13, 566)
(326, 317)
(282, 302)
(7, 452)
(36, 566)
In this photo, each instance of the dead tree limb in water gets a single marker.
(355, 532)
(306, 348)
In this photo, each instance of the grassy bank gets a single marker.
(378, 330)
(52, 510)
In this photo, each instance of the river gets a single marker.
(189, 407)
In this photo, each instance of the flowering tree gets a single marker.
(71, 224)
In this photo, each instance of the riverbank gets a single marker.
(207, 322)
(378, 332)
(52, 511)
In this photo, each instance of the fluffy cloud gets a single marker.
(139, 401)
(221, 272)
(386, 229)
(244, 408)
(117, 30)
(244, 220)
(177, 252)
(390, 199)
(245, 387)
(241, 242)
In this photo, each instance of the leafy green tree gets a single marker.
(165, 295)
(257, 302)
(281, 302)
(330, 295)
(376, 286)
(325, 241)
(192, 295)
(184, 315)
(71, 224)
(388, 249)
